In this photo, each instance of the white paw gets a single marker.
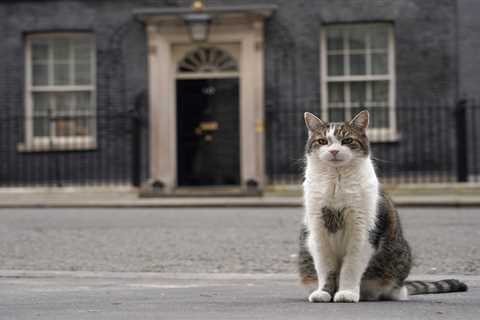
(320, 296)
(346, 296)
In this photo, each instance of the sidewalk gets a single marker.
(86, 295)
(419, 195)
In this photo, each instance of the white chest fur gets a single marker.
(353, 188)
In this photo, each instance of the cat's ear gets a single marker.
(360, 120)
(313, 123)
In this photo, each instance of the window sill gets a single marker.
(382, 136)
(57, 146)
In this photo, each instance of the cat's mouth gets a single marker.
(336, 162)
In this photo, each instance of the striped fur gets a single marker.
(430, 287)
(351, 244)
(305, 260)
(388, 269)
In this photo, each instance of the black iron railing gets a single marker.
(427, 143)
(65, 149)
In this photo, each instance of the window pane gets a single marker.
(358, 93)
(82, 50)
(334, 40)
(335, 65)
(84, 126)
(380, 91)
(41, 123)
(356, 38)
(357, 64)
(70, 116)
(336, 114)
(61, 74)
(336, 92)
(83, 62)
(68, 56)
(355, 110)
(64, 103)
(41, 103)
(82, 101)
(379, 117)
(40, 51)
(40, 74)
(41, 126)
(61, 50)
(379, 63)
(379, 37)
(72, 127)
(64, 127)
(83, 73)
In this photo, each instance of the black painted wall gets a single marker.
(427, 65)
(121, 86)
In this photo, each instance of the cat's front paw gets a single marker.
(320, 296)
(346, 296)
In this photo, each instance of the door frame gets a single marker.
(163, 34)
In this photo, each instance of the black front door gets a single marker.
(208, 132)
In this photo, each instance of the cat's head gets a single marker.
(337, 144)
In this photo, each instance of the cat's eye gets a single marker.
(322, 141)
(347, 141)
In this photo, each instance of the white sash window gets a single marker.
(60, 92)
(358, 71)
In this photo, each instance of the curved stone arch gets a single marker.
(207, 60)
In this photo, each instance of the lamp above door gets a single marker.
(198, 22)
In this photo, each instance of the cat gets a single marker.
(351, 244)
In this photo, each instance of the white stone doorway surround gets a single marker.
(240, 31)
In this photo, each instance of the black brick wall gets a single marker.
(426, 63)
(121, 86)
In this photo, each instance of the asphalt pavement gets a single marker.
(207, 263)
(209, 240)
(207, 297)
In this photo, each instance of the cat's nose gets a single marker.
(333, 152)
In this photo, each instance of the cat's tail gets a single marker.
(306, 268)
(429, 287)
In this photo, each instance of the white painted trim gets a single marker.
(32, 143)
(162, 40)
(364, 78)
(162, 113)
(323, 74)
(377, 135)
(259, 102)
(27, 93)
(176, 57)
(208, 75)
(58, 144)
(61, 88)
(393, 83)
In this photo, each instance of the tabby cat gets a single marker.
(351, 243)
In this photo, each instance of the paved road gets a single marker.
(208, 240)
(159, 298)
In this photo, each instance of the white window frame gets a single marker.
(375, 134)
(52, 142)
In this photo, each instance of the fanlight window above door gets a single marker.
(207, 60)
